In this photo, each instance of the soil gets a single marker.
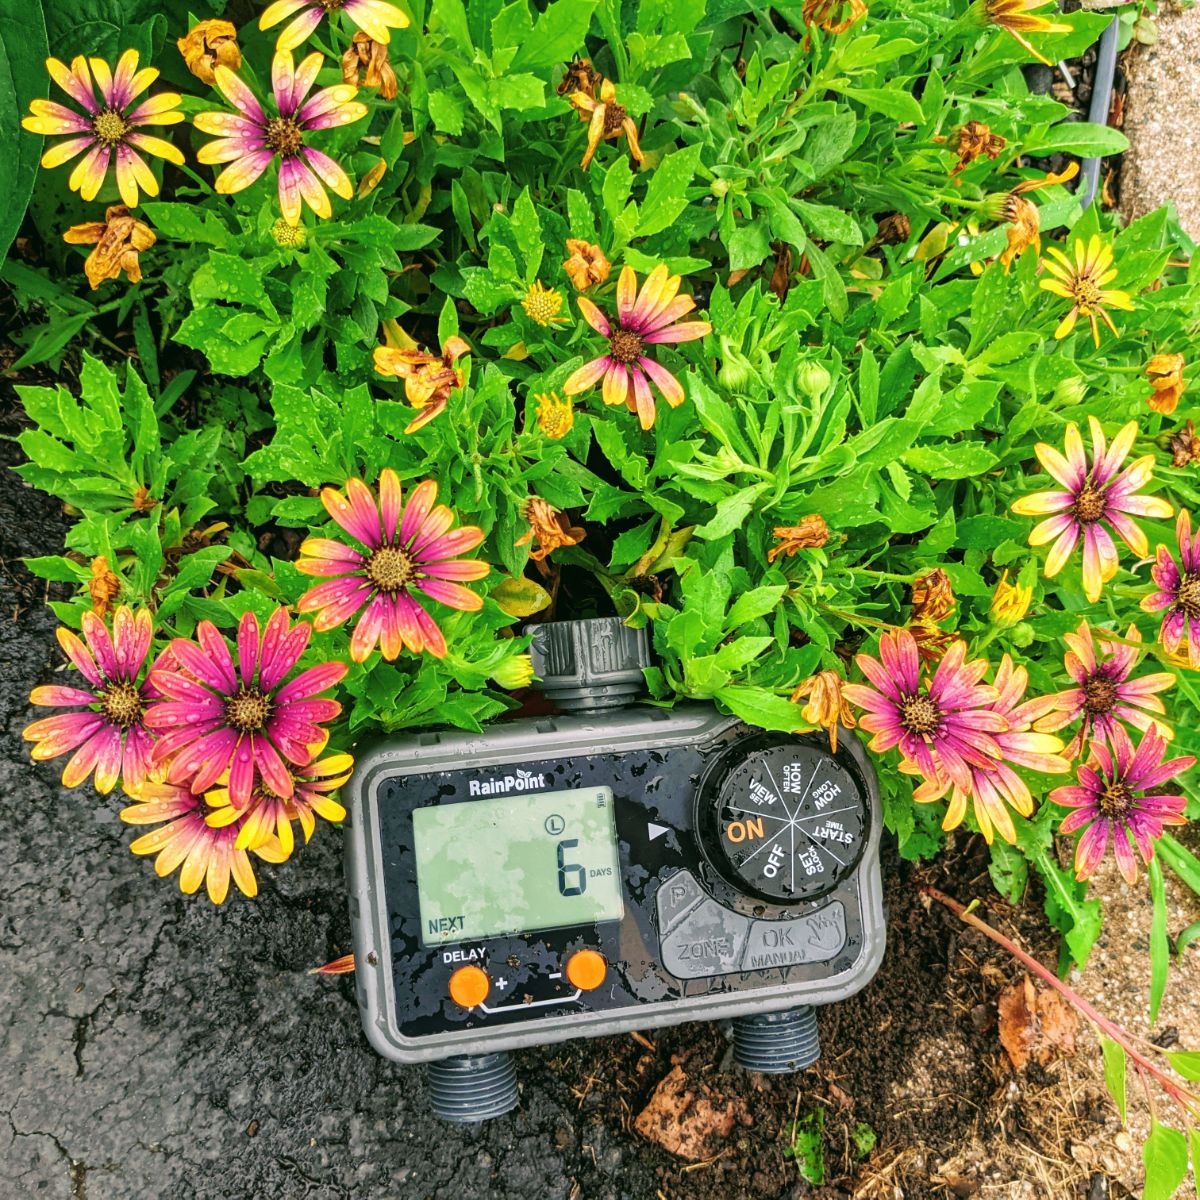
(157, 1046)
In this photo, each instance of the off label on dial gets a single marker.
(791, 821)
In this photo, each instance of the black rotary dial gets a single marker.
(790, 821)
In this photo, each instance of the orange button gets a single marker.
(586, 969)
(469, 986)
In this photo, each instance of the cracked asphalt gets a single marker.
(155, 1046)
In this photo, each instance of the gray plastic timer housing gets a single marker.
(594, 669)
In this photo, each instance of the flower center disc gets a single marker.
(283, 136)
(1116, 801)
(1188, 596)
(248, 710)
(110, 126)
(1090, 504)
(1087, 294)
(614, 118)
(332, 5)
(390, 568)
(919, 714)
(1099, 695)
(625, 346)
(122, 704)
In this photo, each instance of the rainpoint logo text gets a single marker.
(522, 781)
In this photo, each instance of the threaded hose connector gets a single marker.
(777, 1043)
(472, 1087)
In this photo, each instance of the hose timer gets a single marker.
(614, 867)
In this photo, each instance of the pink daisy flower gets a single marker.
(1094, 495)
(996, 787)
(944, 725)
(249, 140)
(108, 730)
(1104, 695)
(107, 129)
(646, 318)
(1117, 796)
(242, 719)
(376, 18)
(208, 854)
(1178, 593)
(268, 817)
(409, 551)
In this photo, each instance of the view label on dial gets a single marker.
(790, 821)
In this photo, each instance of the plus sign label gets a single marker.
(791, 821)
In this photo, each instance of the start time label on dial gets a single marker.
(516, 864)
(791, 821)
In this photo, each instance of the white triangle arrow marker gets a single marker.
(656, 831)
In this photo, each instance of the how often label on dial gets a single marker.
(791, 821)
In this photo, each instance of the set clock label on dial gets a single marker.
(791, 822)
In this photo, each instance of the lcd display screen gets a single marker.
(516, 864)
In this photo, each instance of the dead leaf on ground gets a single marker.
(1035, 1023)
(688, 1121)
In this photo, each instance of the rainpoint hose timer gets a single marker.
(615, 867)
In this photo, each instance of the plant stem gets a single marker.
(1188, 1101)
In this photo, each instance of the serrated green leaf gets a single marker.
(1114, 1074)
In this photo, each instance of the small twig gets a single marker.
(1187, 1100)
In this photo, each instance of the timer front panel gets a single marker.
(702, 916)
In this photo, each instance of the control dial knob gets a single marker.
(786, 820)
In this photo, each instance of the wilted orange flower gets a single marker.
(1165, 373)
(555, 417)
(827, 708)
(210, 44)
(606, 120)
(365, 52)
(103, 587)
(428, 378)
(932, 597)
(1024, 220)
(1184, 446)
(893, 229)
(976, 139)
(118, 239)
(586, 264)
(932, 642)
(811, 533)
(549, 526)
(834, 16)
(141, 500)
(580, 76)
(543, 305)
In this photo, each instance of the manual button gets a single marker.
(709, 940)
(814, 938)
(676, 895)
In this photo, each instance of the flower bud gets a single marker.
(1010, 603)
(1068, 392)
(812, 378)
(514, 673)
(719, 187)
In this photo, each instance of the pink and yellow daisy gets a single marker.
(996, 787)
(1178, 595)
(646, 318)
(241, 718)
(1117, 796)
(107, 129)
(1095, 494)
(945, 725)
(250, 140)
(1104, 695)
(267, 817)
(107, 730)
(410, 552)
(376, 18)
(208, 854)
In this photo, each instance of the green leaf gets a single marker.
(1081, 138)
(527, 229)
(186, 223)
(1114, 1074)
(666, 196)
(1079, 920)
(559, 34)
(23, 50)
(829, 223)
(1160, 946)
(731, 512)
(446, 111)
(1185, 1063)
(890, 101)
(1166, 1157)
(757, 706)
(751, 605)
(964, 460)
